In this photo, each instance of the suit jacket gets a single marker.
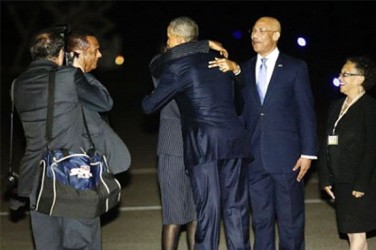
(30, 98)
(104, 137)
(170, 139)
(210, 126)
(353, 160)
(284, 127)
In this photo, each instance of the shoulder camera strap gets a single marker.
(10, 162)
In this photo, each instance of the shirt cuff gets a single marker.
(239, 71)
(312, 157)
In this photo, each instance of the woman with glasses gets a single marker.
(347, 160)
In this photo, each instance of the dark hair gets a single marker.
(367, 68)
(185, 27)
(78, 40)
(46, 45)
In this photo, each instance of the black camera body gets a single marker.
(64, 30)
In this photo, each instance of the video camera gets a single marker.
(64, 30)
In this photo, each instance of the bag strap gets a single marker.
(50, 110)
(92, 146)
(50, 105)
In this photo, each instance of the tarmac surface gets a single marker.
(136, 223)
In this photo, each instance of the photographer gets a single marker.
(30, 98)
(83, 48)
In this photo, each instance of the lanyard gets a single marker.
(345, 108)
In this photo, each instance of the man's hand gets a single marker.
(225, 65)
(304, 164)
(218, 47)
(328, 190)
(357, 194)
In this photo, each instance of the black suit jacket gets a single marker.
(170, 139)
(106, 140)
(30, 98)
(353, 160)
(284, 127)
(210, 125)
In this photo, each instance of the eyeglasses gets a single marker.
(345, 74)
(261, 31)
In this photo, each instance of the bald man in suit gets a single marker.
(280, 119)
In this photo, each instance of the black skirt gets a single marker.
(355, 215)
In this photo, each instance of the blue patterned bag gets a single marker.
(76, 185)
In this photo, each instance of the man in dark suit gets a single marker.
(280, 119)
(178, 207)
(215, 144)
(84, 49)
(30, 98)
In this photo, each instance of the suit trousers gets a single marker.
(277, 198)
(59, 233)
(220, 187)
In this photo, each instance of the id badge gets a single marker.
(332, 139)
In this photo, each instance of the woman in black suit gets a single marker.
(347, 162)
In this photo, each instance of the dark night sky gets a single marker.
(334, 29)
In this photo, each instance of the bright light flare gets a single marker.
(119, 60)
(336, 82)
(301, 41)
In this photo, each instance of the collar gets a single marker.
(272, 57)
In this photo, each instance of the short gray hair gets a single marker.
(184, 27)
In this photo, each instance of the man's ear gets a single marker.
(361, 80)
(181, 39)
(276, 35)
(76, 53)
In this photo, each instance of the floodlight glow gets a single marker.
(301, 42)
(237, 34)
(336, 82)
(119, 60)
